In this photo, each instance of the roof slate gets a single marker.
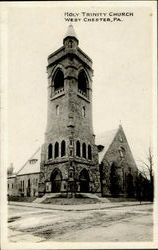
(30, 168)
(105, 139)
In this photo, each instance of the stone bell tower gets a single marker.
(69, 158)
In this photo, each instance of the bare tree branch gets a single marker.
(143, 173)
(147, 167)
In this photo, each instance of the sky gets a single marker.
(122, 62)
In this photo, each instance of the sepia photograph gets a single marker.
(79, 125)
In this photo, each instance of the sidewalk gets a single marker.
(81, 207)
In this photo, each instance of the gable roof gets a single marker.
(11, 176)
(105, 139)
(32, 165)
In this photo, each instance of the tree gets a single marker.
(10, 169)
(146, 177)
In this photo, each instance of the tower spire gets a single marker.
(70, 34)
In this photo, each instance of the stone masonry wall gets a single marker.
(125, 164)
(69, 124)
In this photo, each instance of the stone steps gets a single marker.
(50, 195)
(82, 195)
(94, 196)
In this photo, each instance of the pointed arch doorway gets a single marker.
(84, 181)
(130, 186)
(56, 179)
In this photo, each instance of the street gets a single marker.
(110, 224)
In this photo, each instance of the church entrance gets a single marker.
(115, 180)
(130, 186)
(84, 181)
(56, 178)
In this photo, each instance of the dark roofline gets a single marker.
(62, 48)
(29, 174)
(55, 52)
(84, 54)
(75, 55)
(10, 177)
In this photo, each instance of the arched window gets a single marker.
(122, 152)
(83, 111)
(56, 150)
(78, 153)
(82, 82)
(50, 149)
(56, 180)
(59, 80)
(84, 150)
(57, 109)
(63, 148)
(129, 185)
(84, 181)
(89, 152)
(115, 183)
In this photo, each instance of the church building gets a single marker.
(72, 160)
(118, 170)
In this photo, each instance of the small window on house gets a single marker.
(8, 185)
(63, 148)
(56, 151)
(83, 111)
(89, 152)
(78, 152)
(33, 161)
(84, 150)
(57, 109)
(50, 149)
(12, 185)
